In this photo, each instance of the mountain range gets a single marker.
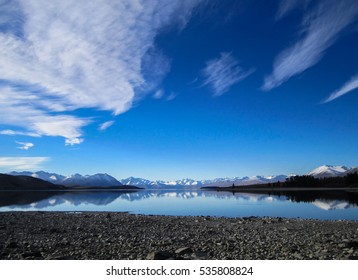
(20, 182)
(105, 180)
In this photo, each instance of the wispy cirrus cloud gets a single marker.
(158, 94)
(287, 6)
(22, 108)
(223, 72)
(24, 145)
(105, 125)
(171, 96)
(22, 163)
(321, 27)
(349, 86)
(60, 56)
(11, 132)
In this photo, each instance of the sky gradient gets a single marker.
(178, 89)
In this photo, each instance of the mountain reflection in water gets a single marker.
(188, 202)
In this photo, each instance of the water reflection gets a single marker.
(188, 202)
(24, 198)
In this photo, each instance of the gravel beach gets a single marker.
(93, 235)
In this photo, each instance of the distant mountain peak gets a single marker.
(96, 180)
(328, 171)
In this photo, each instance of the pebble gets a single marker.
(161, 255)
(183, 251)
(82, 236)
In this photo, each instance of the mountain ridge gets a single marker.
(326, 171)
(104, 179)
(22, 182)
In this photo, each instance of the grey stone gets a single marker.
(183, 251)
(160, 255)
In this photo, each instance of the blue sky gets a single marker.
(172, 89)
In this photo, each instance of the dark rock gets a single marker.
(352, 244)
(59, 257)
(200, 255)
(53, 230)
(35, 254)
(12, 245)
(35, 235)
(183, 251)
(160, 255)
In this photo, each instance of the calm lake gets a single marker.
(182, 202)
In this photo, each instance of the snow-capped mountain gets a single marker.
(237, 181)
(106, 180)
(96, 180)
(328, 171)
(139, 182)
(352, 170)
(190, 183)
(50, 177)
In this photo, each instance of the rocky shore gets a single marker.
(53, 235)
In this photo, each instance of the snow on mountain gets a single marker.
(328, 171)
(96, 180)
(50, 177)
(190, 183)
(139, 182)
(352, 170)
(106, 180)
(237, 181)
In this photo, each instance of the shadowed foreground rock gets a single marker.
(51, 235)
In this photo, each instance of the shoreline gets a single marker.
(253, 188)
(119, 235)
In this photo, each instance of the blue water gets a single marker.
(190, 203)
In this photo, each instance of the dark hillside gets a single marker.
(19, 183)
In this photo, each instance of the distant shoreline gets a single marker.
(253, 188)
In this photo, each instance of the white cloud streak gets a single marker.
(22, 163)
(223, 72)
(158, 94)
(105, 125)
(349, 86)
(23, 109)
(24, 145)
(59, 56)
(13, 133)
(171, 96)
(287, 6)
(321, 28)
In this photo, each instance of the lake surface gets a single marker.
(181, 202)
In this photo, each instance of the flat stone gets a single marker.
(59, 257)
(200, 255)
(160, 255)
(183, 251)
